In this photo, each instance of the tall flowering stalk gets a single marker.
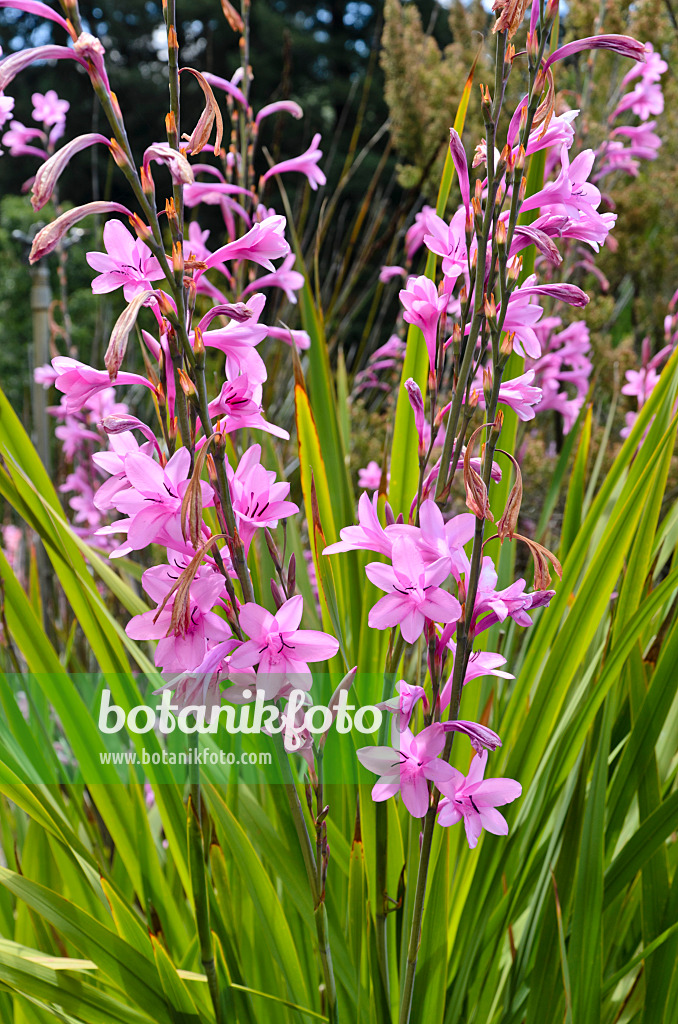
(482, 310)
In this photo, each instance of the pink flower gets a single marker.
(152, 500)
(387, 273)
(289, 280)
(481, 663)
(624, 45)
(184, 649)
(369, 535)
(417, 402)
(18, 140)
(414, 237)
(571, 189)
(306, 163)
(518, 394)
(48, 108)
(288, 106)
(407, 766)
(238, 340)
(239, 405)
(423, 307)
(448, 241)
(370, 477)
(264, 242)
(475, 800)
(437, 540)
(80, 382)
(127, 263)
(280, 649)
(413, 595)
(458, 154)
(6, 108)
(258, 500)
(403, 704)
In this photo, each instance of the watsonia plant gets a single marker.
(132, 902)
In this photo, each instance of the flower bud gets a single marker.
(278, 595)
(187, 385)
(177, 258)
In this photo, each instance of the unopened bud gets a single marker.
(177, 258)
(532, 47)
(172, 41)
(273, 549)
(292, 575)
(198, 343)
(486, 103)
(523, 188)
(490, 310)
(170, 123)
(515, 268)
(500, 234)
(147, 183)
(507, 344)
(278, 595)
(473, 400)
(118, 153)
(171, 212)
(141, 229)
(388, 515)
(497, 425)
(520, 158)
(487, 384)
(187, 385)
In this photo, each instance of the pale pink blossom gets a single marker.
(369, 478)
(79, 381)
(369, 535)
(261, 244)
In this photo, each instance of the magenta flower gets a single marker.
(480, 736)
(280, 649)
(369, 535)
(127, 263)
(80, 382)
(257, 499)
(413, 594)
(481, 663)
(458, 154)
(475, 800)
(423, 307)
(49, 173)
(306, 163)
(627, 46)
(264, 242)
(48, 108)
(408, 765)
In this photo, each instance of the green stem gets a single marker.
(320, 915)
